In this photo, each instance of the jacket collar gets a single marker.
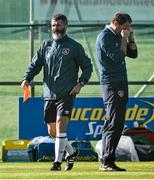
(109, 28)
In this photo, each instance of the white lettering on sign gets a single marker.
(94, 130)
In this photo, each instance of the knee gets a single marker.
(62, 120)
(52, 132)
(61, 124)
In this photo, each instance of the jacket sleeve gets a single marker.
(111, 50)
(85, 64)
(36, 64)
(132, 53)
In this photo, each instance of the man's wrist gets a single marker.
(81, 83)
(131, 41)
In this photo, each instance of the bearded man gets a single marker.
(61, 58)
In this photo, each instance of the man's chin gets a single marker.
(57, 36)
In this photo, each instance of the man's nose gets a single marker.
(54, 28)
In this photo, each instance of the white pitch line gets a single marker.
(144, 86)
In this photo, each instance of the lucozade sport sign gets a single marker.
(89, 114)
(87, 118)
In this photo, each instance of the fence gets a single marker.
(16, 49)
(86, 33)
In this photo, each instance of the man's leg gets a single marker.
(62, 144)
(52, 129)
(52, 132)
(115, 97)
(50, 118)
(68, 148)
(64, 108)
(61, 136)
(71, 152)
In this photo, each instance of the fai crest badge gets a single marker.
(48, 51)
(65, 51)
(121, 93)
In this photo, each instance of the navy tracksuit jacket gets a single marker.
(61, 61)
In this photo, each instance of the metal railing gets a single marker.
(38, 83)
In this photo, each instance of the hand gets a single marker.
(26, 91)
(24, 83)
(131, 36)
(76, 89)
(125, 33)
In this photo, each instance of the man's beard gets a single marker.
(57, 35)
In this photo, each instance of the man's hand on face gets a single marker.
(131, 36)
(125, 33)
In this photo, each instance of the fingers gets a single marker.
(24, 83)
(76, 89)
(73, 92)
(26, 91)
(125, 33)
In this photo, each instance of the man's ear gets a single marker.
(116, 23)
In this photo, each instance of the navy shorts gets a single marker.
(60, 107)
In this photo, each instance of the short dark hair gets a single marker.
(60, 17)
(121, 18)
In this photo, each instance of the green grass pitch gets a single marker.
(81, 170)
